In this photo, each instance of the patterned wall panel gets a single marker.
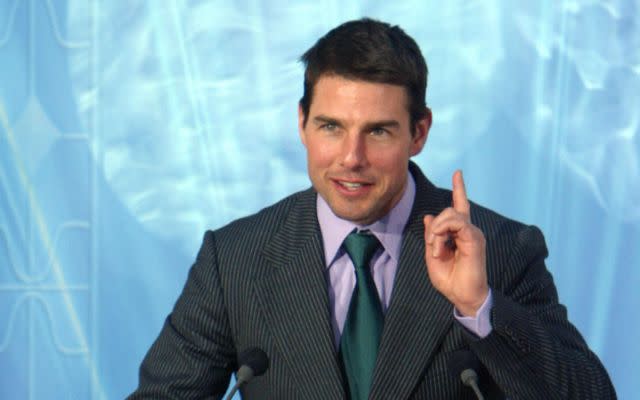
(128, 127)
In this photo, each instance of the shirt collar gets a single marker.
(388, 229)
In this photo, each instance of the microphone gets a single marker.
(253, 362)
(463, 364)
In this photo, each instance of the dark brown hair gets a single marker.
(371, 51)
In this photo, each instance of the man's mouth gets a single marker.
(351, 186)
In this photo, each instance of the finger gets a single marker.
(448, 225)
(428, 222)
(444, 246)
(428, 237)
(441, 233)
(431, 240)
(438, 245)
(447, 213)
(460, 200)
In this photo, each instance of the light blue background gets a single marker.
(128, 127)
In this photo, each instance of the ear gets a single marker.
(301, 124)
(419, 138)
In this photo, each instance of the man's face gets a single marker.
(358, 140)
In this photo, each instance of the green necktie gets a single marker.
(363, 327)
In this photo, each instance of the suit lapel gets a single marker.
(293, 291)
(418, 316)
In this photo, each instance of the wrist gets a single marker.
(470, 309)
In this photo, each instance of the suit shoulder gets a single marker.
(259, 227)
(506, 230)
(512, 247)
(491, 221)
(494, 224)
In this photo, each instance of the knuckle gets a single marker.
(447, 212)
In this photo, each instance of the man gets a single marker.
(366, 285)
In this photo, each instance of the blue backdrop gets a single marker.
(128, 127)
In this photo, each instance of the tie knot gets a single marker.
(360, 247)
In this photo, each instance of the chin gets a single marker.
(357, 218)
(354, 211)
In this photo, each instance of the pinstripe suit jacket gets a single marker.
(260, 281)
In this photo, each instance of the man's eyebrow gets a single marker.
(387, 123)
(390, 123)
(322, 119)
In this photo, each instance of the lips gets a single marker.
(350, 186)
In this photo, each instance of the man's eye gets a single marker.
(378, 131)
(329, 127)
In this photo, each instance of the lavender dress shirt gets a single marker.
(384, 264)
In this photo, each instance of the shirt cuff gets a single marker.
(480, 325)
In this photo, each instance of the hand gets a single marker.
(455, 253)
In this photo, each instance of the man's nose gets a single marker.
(353, 151)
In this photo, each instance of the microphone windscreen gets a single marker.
(462, 360)
(256, 359)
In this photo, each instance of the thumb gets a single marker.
(436, 269)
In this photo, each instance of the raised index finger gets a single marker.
(460, 201)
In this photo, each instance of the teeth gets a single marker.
(351, 185)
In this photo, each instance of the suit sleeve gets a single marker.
(193, 356)
(533, 351)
